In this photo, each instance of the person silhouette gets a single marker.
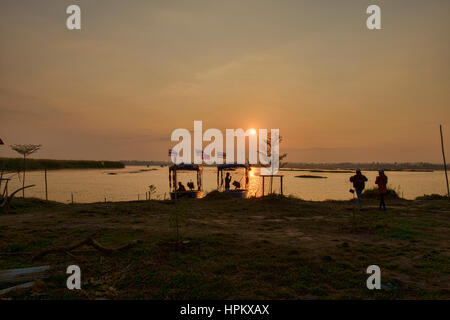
(181, 187)
(359, 183)
(381, 181)
(227, 181)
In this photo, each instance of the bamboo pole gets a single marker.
(23, 179)
(46, 192)
(175, 182)
(263, 180)
(281, 178)
(445, 163)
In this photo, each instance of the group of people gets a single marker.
(191, 186)
(182, 188)
(359, 183)
(236, 184)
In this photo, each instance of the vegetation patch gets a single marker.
(433, 196)
(310, 176)
(16, 164)
(226, 248)
(372, 193)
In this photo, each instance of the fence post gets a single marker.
(445, 163)
(281, 177)
(46, 192)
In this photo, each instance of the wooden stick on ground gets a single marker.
(24, 274)
(18, 287)
(88, 241)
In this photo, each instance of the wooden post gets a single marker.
(23, 179)
(271, 183)
(263, 185)
(445, 163)
(72, 197)
(281, 180)
(175, 183)
(46, 192)
(105, 199)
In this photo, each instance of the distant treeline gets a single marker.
(420, 166)
(16, 164)
(145, 163)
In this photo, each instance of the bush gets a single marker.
(433, 196)
(217, 195)
(373, 193)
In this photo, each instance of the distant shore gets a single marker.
(351, 171)
(329, 167)
(15, 164)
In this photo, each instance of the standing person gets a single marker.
(381, 181)
(359, 183)
(227, 181)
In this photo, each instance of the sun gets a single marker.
(252, 131)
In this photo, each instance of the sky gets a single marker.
(137, 70)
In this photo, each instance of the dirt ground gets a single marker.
(266, 248)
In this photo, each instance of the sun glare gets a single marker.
(252, 131)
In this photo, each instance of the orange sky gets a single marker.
(139, 69)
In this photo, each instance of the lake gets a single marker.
(131, 183)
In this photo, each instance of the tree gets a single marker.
(280, 157)
(177, 217)
(25, 150)
(152, 190)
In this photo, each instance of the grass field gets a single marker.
(267, 248)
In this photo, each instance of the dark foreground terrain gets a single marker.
(270, 248)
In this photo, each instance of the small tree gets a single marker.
(178, 217)
(280, 157)
(152, 190)
(25, 150)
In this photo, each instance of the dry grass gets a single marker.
(270, 248)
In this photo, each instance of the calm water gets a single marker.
(94, 185)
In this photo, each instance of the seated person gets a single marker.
(190, 185)
(236, 185)
(181, 188)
